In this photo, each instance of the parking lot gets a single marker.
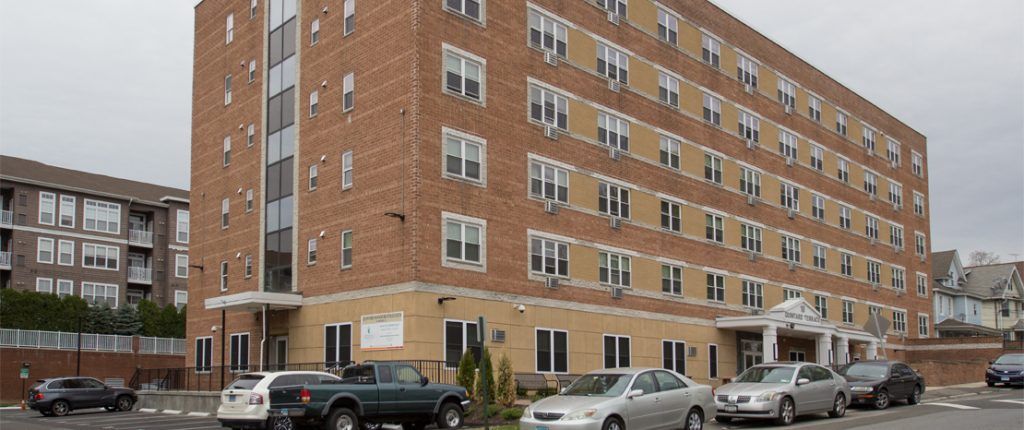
(100, 419)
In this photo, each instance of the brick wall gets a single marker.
(952, 361)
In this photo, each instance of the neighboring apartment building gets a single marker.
(979, 300)
(608, 183)
(101, 238)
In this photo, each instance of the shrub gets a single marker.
(465, 375)
(506, 390)
(511, 414)
(486, 374)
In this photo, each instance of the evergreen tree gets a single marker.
(99, 319)
(486, 373)
(465, 375)
(126, 322)
(506, 391)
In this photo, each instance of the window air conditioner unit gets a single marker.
(613, 18)
(752, 256)
(551, 58)
(497, 335)
(691, 351)
(873, 240)
(789, 110)
(791, 213)
(903, 336)
(792, 265)
(896, 206)
(614, 85)
(876, 287)
(790, 161)
(748, 88)
(551, 132)
(551, 207)
(551, 282)
(900, 293)
(757, 311)
(614, 154)
(751, 144)
(893, 164)
(923, 257)
(616, 293)
(751, 200)
(615, 222)
(872, 197)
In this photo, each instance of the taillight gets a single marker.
(39, 396)
(304, 395)
(255, 399)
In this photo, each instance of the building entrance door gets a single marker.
(753, 353)
(279, 360)
(797, 355)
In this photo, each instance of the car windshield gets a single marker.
(1011, 359)
(245, 382)
(767, 375)
(600, 385)
(865, 370)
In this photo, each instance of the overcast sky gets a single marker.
(105, 86)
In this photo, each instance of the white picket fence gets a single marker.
(90, 342)
(161, 345)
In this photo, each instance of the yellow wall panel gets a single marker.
(728, 60)
(643, 77)
(801, 101)
(583, 263)
(730, 174)
(770, 189)
(695, 283)
(769, 136)
(831, 164)
(832, 261)
(732, 232)
(692, 160)
(646, 274)
(644, 14)
(582, 49)
(771, 243)
(856, 176)
(644, 142)
(582, 119)
(803, 150)
(689, 38)
(733, 290)
(860, 267)
(693, 221)
(691, 99)
(646, 208)
(768, 83)
(772, 295)
(855, 132)
(730, 117)
(583, 191)
(828, 116)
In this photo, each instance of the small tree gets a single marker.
(126, 322)
(467, 366)
(99, 319)
(982, 258)
(506, 392)
(486, 372)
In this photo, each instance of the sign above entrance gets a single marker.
(382, 331)
(797, 311)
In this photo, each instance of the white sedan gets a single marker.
(244, 403)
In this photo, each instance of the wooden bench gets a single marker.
(532, 382)
(565, 380)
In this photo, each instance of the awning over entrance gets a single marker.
(254, 301)
(797, 318)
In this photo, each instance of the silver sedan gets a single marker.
(624, 398)
(781, 392)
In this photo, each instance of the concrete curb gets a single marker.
(170, 412)
(148, 410)
(198, 414)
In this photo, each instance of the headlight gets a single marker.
(580, 415)
(527, 413)
(989, 370)
(767, 397)
(861, 389)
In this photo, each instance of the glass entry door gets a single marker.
(752, 353)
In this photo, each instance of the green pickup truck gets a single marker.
(368, 395)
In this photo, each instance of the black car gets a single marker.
(879, 382)
(1007, 369)
(59, 396)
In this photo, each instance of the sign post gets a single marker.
(481, 328)
(23, 375)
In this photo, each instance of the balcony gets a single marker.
(140, 275)
(6, 219)
(5, 260)
(140, 238)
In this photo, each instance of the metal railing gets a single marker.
(5, 259)
(7, 218)
(161, 345)
(140, 237)
(17, 338)
(140, 274)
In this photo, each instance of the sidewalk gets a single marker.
(932, 394)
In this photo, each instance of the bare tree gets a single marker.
(982, 258)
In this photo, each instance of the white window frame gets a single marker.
(848, 315)
(920, 244)
(461, 10)
(814, 108)
(249, 200)
(870, 183)
(314, 103)
(789, 196)
(346, 236)
(350, 17)
(96, 248)
(788, 144)
(618, 357)
(790, 294)
(818, 207)
(464, 223)
(181, 266)
(65, 200)
(922, 284)
(47, 206)
(843, 170)
(314, 176)
(347, 174)
(821, 305)
(180, 299)
(224, 272)
(233, 365)
(871, 227)
(466, 61)
(548, 29)
(899, 279)
(787, 92)
(549, 175)
(668, 89)
(250, 135)
(227, 90)
(348, 97)
(750, 182)
(613, 131)
(752, 294)
(715, 284)
(182, 225)
(252, 72)
(672, 213)
(892, 151)
(923, 325)
(713, 375)
(311, 246)
(711, 50)
(62, 291)
(617, 200)
(712, 109)
(551, 349)
(252, 8)
(314, 32)
(559, 105)
(751, 238)
(817, 158)
(668, 27)
(674, 276)
(107, 288)
(229, 28)
(790, 249)
(225, 213)
(464, 142)
(868, 137)
(71, 252)
(918, 203)
(611, 263)
(714, 226)
(204, 351)
(845, 217)
(226, 159)
(820, 260)
(248, 266)
(842, 122)
(874, 270)
(917, 163)
(44, 285)
(746, 70)
(46, 244)
(614, 62)
(899, 321)
(749, 125)
(846, 264)
(669, 155)
(551, 250)
(713, 168)
(896, 236)
(895, 194)
(675, 343)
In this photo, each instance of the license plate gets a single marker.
(543, 428)
(231, 397)
(731, 408)
(284, 412)
(1005, 378)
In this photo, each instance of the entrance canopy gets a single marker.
(254, 301)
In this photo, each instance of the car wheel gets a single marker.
(60, 408)
(882, 399)
(915, 396)
(613, 424)
(724, 420)
(46, 413)
(342, 419)
(371, 426)
(787, 412)
(280, 423)
(838, 406)
(694, 420)
(990, 384)
(450, 416)
(124, 403)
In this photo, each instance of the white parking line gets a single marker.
(953, 405)
(1018, 402)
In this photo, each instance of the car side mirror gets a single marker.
(635, 393)
(991, 362)
(424, 381)
(563, 391)
(803, 381)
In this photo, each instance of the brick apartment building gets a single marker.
(101, 238)
(608, 183)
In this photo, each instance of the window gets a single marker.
(338, 345)
(66, 253)
(916, 163)
(549, 183)
(898, 279)
(549, 257)
(750, 238)
(204, 354)
(713, 168)
(750, 182)
(918, 204)
(227, 90)
(65, 288)
(871, 227)
(225, 206)
(250, 135)
(749, 126)
(753, 294)
(252, 8)
(790, 294)
(44, 250)
(712, 361)
(229, 28)
(182, 226)
(95, 294)
(922, 285)
(460, 336)
(746, 71)
(612, 63)
(843, 170)
(845, 214)
(791, 249)
(669, 152)
(548, 34)
(549, 108)
(252, 72)
(818, 207)
(67, 211)
(671, 216)
(814, 108)
(223, 275)
(346, 170)
(710, 50)
(227, 151)
(817, 158)
(874, 272)
(239, 357)
(471, 9)
(248, 200)
(313, 176)
(616, 351)
(712, 109)
(47, 207)
(841, 123)
(892, 151)
(552, 351)
(787, 93)
(899, 321)
(100, 256)
(180, 299)
(348, 98)
(714, 228)
(314, 103)
(464, 73)
(614, 269)
(896, 236)
(672, 280)
(613, 131)
(311, 251)
(868, 138)
(846, 264)
(613, 200)
(248, 266)
(314, 32)
(870, 183)
(787, 144)
(789, 196)
(716, 287)
(44, 285)
(668, 89)
(350, 16)
(847, 312)
(821, 305)
(181, 265)
(895, 194)
(673, 356)
(922, 325)
(820, 254)
(463, 242)
(462, 158)
(919, 244)
(346, 249)
(668, 27)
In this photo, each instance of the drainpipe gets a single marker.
(264, 358)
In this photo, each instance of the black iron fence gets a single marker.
(216, 378)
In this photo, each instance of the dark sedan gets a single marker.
(879, 382)
(60, 396)
(1007, 369)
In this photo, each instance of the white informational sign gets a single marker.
(382, 331)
